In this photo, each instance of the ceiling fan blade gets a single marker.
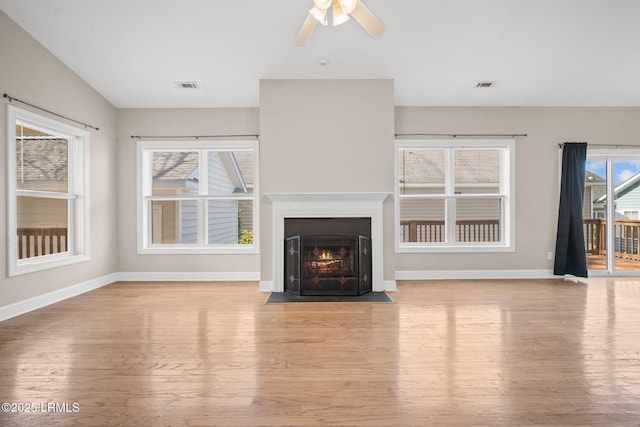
(306, 30)
(368, 20)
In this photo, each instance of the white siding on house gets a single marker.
(222, 216)
(629, 202)
(219, 179)
(188, 220)
(430, 209)
(587, 207)
(35, 212)
(422, 209)
(478, 209)
(223, 222)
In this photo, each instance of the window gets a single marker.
(198, 197)
(48, 203)
(454, 196)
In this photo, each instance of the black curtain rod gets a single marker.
(464, 135)
(11, 99)
(193, 136)
(560, 145)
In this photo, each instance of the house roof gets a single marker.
(180, 166)
(41, 160)
(470, 167)
(245, 161)
(172, 165)
(591, 177)
(623, 188)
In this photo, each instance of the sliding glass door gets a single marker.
(612, 229)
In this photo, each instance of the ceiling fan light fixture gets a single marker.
(342, 11)
(319, 14)
(348, 5)
(339, 15)
(322, 4)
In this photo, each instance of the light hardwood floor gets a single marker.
(452, 353)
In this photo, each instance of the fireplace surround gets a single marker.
(327, 205)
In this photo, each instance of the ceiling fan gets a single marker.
(341, 9)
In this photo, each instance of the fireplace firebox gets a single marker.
(331, 263)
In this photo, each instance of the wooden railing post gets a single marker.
(602, 235)
(626, 235)
(32, 242)
(428, 231)
(413, 231)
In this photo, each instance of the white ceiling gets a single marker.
(540, 52)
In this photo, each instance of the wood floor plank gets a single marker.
(450, 353)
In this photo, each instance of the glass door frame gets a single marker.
(610, 156)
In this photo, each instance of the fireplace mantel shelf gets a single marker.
(319, 197)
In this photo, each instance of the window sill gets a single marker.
(46, 262)
(455, 249)
(217, 250)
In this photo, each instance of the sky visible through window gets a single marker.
(623, 170)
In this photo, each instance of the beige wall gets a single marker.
(325, 136)
(29, 72)
(537, 170)
(172, 122)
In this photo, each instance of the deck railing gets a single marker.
(423, 231)
(34, 242)
(626, 232)
(595, 235)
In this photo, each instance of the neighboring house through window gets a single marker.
(454, 196)
(47, 175)
(197, 197)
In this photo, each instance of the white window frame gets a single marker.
(78, 195)
(144, 185)
(609, 155)
(506, 194)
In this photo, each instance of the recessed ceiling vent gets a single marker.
(187, 85)
(485, 84)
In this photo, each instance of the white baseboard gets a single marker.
(189, 276)
(25, 306)
(265, 286)
(40, 301)
(390, 285)
(474, 274)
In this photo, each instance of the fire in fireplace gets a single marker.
(328, 264)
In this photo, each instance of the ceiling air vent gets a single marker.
(485, 84)
(187, 85)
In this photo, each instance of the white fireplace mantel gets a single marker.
(328, 205)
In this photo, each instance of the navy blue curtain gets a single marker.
(571, 257)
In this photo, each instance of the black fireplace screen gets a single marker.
(328, 265)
